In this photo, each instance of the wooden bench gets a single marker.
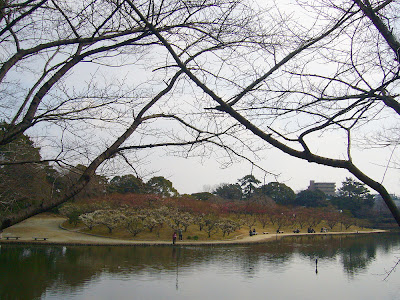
(40, 238)
(12, 237)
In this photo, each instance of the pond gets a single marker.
(303, 267)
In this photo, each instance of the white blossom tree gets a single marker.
(89, 219)
(111, 218)
(227, 226)
(134, 224)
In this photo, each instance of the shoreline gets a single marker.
(50, 227)
(129, 243)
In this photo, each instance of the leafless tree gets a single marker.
(58, 81)
(253, 79)
(337, 73)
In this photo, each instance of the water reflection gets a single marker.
(48, 272)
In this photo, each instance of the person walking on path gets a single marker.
(174, 238)
(180, 234)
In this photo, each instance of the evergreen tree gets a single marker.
(229, 191)
(354, 197)
(126, 184)
(279, 192)
(161, 186)
(23, 180)
(310, 198)
(248, 185)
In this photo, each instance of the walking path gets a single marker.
(48, 226)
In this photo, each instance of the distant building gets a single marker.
(329, 188)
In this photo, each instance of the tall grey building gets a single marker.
(329, 188)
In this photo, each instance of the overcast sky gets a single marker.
(199, 174)
(193, 175)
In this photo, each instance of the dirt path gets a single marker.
(48, 226)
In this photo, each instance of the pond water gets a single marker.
(348, 267)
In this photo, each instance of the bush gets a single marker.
(72, 212)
